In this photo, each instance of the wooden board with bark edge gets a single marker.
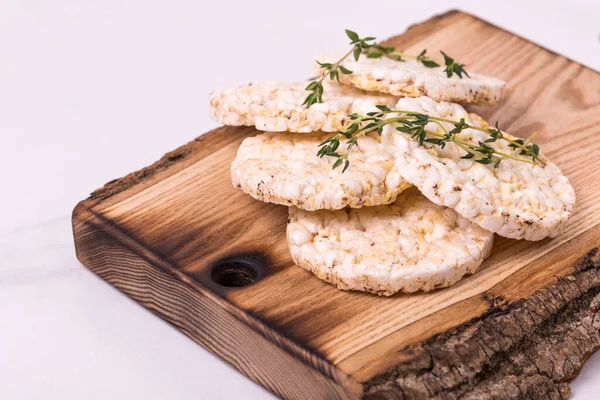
(521, 327)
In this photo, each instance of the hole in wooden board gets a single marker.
(235, 272)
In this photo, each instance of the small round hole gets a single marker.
(234, 273)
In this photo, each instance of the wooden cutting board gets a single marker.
(179, 239)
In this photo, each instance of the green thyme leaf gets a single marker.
(426, 61)
(452, 67)
(352, 35)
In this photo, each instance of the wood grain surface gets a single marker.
(178, 238)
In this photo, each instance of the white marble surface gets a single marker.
(90, 91)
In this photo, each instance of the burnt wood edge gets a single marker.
(118, 185)
(170, 163)
(194, 314)
(510, 349)
(82, 216)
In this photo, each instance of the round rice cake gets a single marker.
(412, 79)
(277, 106)
(284, 168)
(406, 246)
(517, 200)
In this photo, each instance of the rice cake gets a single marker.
(284, 168)
(516, 200)
(412, 79)
(412, 244)
(277, 106)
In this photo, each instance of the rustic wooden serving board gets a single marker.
(179, 239)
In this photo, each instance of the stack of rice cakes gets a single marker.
(403, 216)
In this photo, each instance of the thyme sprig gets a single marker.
(415, 125)
(371, 49)
(332, 70)
(453, 67)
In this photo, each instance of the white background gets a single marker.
(92, 90)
